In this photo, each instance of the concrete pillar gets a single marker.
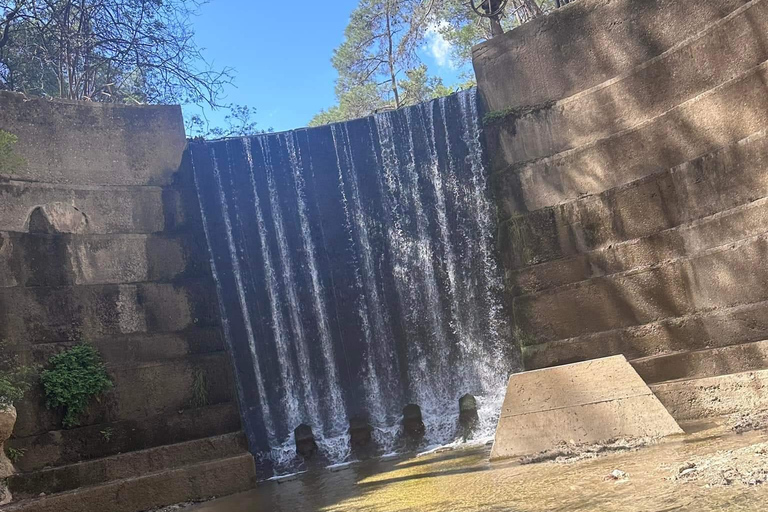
(306, 446)
(413, 425)
(468, 417)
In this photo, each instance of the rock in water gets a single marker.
(413, 425)
(305, 441)
(468, 417)
(361, 436)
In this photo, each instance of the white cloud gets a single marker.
(439, 47)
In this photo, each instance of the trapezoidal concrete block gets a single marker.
(585, 402)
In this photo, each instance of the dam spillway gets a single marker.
(356, 273)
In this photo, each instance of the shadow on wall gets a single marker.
(607, 196)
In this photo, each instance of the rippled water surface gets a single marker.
(464, 480)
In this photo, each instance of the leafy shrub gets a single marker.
(15, 379)
(74, 377)
(15, 455)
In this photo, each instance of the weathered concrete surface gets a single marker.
(700, 331)
(44, 260)
(62, 447)
(101, 241)
(138, 347)
(703, 363)
(714, 279)
(96, 143)
(721, 51)
(57, 218)
(140, 390)
(41, 314)
(727, 178)
(128, 465)
(715, 396)
(721, 116)
(583, 45)
(194, 482)
(107, 209)
(7, 421)
(585, 402)
(690, 239)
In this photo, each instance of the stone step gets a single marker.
(717, 118)
(128, 465)
(699, 331)
(131, 349)
(140, 391)
(28, 259)
(703, 363)
(727, 178)
(106, 209)
(64, 447)
(722, 277)
(687, 240)
(200, 481)
(735, 393)
(92, 142)
(686, 70)
(583, 45)
(51, 314)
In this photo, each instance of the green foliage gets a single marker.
(523, 339)
(73, 379)
(8, 160)
(379, 63)
(200, 389)
(240, 121)
(418, 86)
(15, 379)
(126, 51)
(15, 455)
(356, 102)
(107, 434)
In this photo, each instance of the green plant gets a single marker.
(200, 389)
(8, 160)
(73, 378)
(523, 339)
(15, 455)
(15, 379)
(107, 434)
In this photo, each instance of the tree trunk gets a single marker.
(496, 28)
(391, 59)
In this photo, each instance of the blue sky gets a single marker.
(283, 62)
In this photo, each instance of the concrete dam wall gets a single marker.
(609, 196)
(628, 151)
(99, 244)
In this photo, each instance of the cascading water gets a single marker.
(355, 270)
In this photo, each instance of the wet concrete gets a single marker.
(464, 480)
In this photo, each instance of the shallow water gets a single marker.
(464, 480)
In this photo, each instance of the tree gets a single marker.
(461, 27)
(354, 102)
(376, 49)
(418, 86)
(239, 122)
(106, 50)
(378, 62)
(378, 65)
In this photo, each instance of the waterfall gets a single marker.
(355, 269)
